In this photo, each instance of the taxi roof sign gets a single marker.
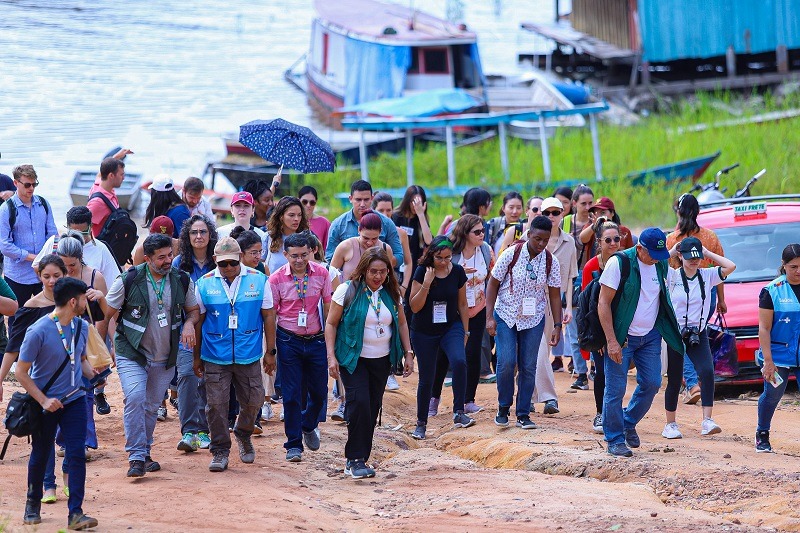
(757, 208)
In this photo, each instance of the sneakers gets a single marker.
(257, 429)
(277, 397)
(710, 427)
(266, 411)
(550, 407)
(501, 418)
(32, 514)
(101, 404)
(632, 438)
(557, 364)
(80, 521)
(597, 423)
(671, 431)
(582, 383)
(338, 414)
(357, 469)
(691, 396)
(294, 455)
(49, 496)
(136, 469)
(525, 422)
(619, 450)
(161, 414)
(231, 424)
(246, 451)
(419, 431)
(150, 465)
(488, 378)
(283, 414)
(460, 420)
(188, 443)
(391, 384)
(203, 440)
(433, 407)
(471, 408)
(448, 382)
(311, 439)
(219, 463)
(762, 441)
(174, 403)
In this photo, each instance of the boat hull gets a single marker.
(129, 193)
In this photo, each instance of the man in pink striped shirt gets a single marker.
(297, 288)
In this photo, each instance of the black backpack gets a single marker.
(12, 214)
(119, 233)
(591, 336)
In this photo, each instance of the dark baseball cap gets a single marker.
(654, 240)
(691, 248)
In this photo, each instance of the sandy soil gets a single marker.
(557, 477)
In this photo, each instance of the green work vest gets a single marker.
(133, 317)
(350, 333)
(666, 323)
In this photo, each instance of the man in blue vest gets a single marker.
(236, 314)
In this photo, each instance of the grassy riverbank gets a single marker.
(655, 140)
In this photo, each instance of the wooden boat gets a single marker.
(128, 193)
(397, 51)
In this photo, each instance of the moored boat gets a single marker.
(128, 193)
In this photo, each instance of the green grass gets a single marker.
(650, 143)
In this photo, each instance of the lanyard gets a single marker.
(301, 293)
(69, 349)
(375, 307)
(228, 290)
(158, 290)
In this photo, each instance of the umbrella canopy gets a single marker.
(288, 144)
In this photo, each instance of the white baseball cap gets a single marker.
(551, 202)
(162, 183)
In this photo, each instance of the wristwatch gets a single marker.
(273, 351)
(557, 325)
(411, 352)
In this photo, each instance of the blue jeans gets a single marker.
(91, 440)
(517, 350)
(144, 388)
(303, 365)
(571, 337)
(72, 421)
(646, 355)
(772, 395)
(426, 347)
(191, 395)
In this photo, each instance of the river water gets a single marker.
(80, 77)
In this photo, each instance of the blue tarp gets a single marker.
(424, 104)
(374, 71)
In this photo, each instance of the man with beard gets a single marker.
(158, 310)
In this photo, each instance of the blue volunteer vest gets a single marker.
(222, 345)
(785, 333)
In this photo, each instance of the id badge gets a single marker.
(439, 312)
(529, 306)
(380, 331)
(233, 321)
(162, 320)
(302, 318)
(471, 296)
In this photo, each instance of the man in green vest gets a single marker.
(634, 325)
(157, 310)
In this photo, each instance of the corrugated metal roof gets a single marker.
(681, 29)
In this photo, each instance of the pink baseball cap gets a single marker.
(242, 196)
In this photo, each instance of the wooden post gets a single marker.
(451, 157)
(646, 73)
(545, 155)
(782, 56)
(598, 166)
(362, 155)
(503, 151)
(409, 158)
(730, 61)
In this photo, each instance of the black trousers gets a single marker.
(473, 349)
(599, 379)
(364, 392)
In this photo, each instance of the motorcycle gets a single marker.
(711, 192)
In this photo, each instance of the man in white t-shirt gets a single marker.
(634, 323)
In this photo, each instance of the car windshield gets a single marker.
(756, 250)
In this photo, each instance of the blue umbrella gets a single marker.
(288, 144)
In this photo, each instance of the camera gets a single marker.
(690, 336)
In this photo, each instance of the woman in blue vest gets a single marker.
(365, 336)
(779, 335)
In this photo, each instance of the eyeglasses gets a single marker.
(477, 231)
(531, 273)
(28, 185)
(309, 202)
(378, 272)
(227, 264)
(295, 257)
(534, 210)
(443, 259)
(254, 253)
(609, 240)
(554, 213)
(198, 232)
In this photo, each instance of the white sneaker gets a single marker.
(266, 411)
(671, 431)
(281, 417)
(391, 383)
(710, 427)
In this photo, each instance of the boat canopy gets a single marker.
(425, 104)
(374, 71)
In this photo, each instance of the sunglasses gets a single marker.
(531, 273)
(309, 202)
(28, 185)
(477, 231)
(609, 240)
(198, 232)
(227, 264)
(551, 213)
(534, 209)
